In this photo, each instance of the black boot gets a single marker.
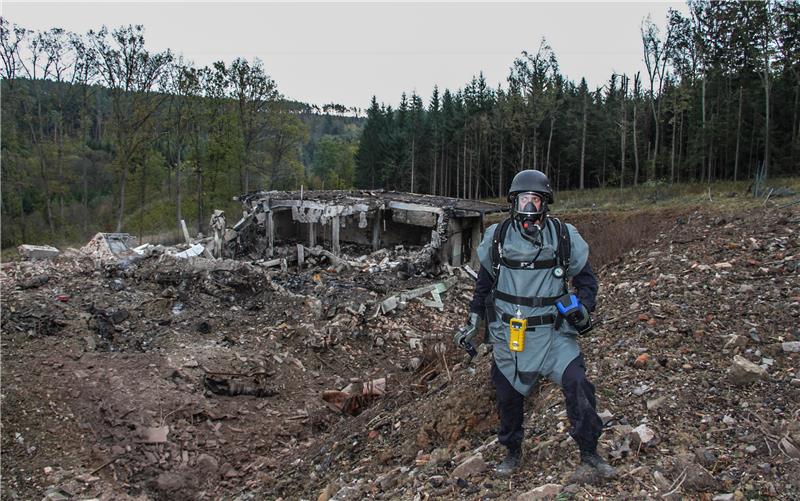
(511, 462)
(595, 461)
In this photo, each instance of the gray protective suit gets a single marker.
(547, 350)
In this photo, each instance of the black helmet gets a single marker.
(531, 180)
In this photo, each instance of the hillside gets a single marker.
(164, 379)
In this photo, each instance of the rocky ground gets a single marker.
(158, 378)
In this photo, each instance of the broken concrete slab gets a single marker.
(193, 251)
(37, 251)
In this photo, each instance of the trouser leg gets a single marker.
(581, 406)
(510, 407)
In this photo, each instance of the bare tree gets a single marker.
(656, 52)
(623, 128)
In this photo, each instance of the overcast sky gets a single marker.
(347, 52)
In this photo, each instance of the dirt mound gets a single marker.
(202, 379)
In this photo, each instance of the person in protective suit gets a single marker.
(533, 320)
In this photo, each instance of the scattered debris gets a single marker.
(84, 378)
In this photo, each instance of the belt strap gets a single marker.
(526, 301)
(535, 265)
(533, 321)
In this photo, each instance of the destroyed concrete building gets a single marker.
(448, 230)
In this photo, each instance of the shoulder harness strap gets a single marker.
(564, 243)
(497, 242)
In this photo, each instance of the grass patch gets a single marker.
(615, 221)
(721, 194)
(654, 195)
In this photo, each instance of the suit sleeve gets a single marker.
(585, 283)
(482, 288)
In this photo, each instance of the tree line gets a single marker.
(100, 133)
(719, 100)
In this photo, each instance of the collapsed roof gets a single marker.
(449, 228)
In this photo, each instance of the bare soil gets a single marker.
(108, 369)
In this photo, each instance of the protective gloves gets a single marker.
(467, 333)
(575, 313)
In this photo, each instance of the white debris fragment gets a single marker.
(193, 251)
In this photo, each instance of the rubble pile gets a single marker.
(151, 375)
(676, 318)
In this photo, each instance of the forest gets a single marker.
(101, 133)
(718, 100)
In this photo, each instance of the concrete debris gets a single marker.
(141, 338)
(644, 434)
(154, 435)
(34, 282)
(37, 251)
(378, 219)
(110, 246)
(791, 346)
(193, 251)
(744, 372)
(470, 466)
(355, 397)
(400, 300)
(547, 491)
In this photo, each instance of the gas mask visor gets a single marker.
(528, 209)
(529, 205)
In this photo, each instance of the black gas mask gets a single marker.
(526, 215)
